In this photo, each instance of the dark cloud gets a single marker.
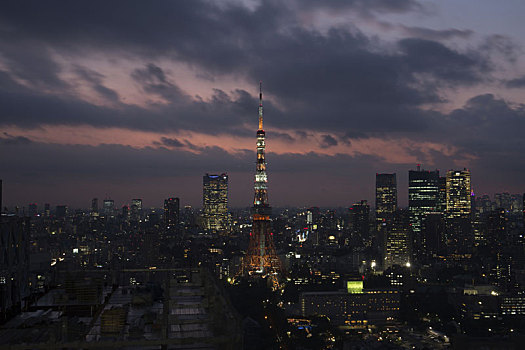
(516, 83)
(282, 135)
(366, 7)
(433, 34)
(171, 142)
(502, 46)
(95, 79)
(328, 141)
(434, 58)
(336, 81)
(31, 62)
(8, 139)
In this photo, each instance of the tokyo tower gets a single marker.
(261, 259)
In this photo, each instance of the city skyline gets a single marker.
(90, 107)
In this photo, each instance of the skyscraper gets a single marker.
(442, 195)
(136, 209)
(458, 193)
(32, 209)
(386, 198)
(94, 206)
(423, 195)
(109, 207)
(61, 211)
(359, 214)
(261, 258)
(460, 238)
(215, 202)
(14, 263)
(171, 214)
(398, 243)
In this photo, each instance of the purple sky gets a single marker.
(128, 99)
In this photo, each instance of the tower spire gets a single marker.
(260, 107)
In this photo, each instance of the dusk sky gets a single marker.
(129, 99)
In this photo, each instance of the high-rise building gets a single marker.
(496, 233)
(442, 195)
(312, 221)
(386, 198)
(458, 193)
(171, 214)
(61, 211)
(423, 192)
(14, 264)
(359, 215)
(215, 202)
(398, 242)
(433, 236)
(503, 200)
(136, 209)
(261, 258)
(423, 198)
(460, 237)
(94, 206)
(32, 209)
(523, 206)
(109, 207)
(125, 213)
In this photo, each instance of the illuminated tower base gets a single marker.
(261, 259)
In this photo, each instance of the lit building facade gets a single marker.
(359, 214)
(386, 198)
(458, 193)
(398, 242)
(109, 207)
(423, 193)
(370, 306)
(136, 209)
(215, 202)
(460, 237)
(171, 214)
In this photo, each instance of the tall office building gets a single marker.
(61, 211)
(171, 214)
(136, 209)
(32, 209)
(386, 198)
(398, 242)
(125, 213)
(94, 206)
(215, 202)
(442, 195)
(109, 207)
(433, 236)
(14, 264)
(359, 215)
(423, 196)
(503, 200)
(460, 237)
(458, 193)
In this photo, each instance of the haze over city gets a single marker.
(128, 99)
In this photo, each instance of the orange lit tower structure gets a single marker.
(261, 259)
